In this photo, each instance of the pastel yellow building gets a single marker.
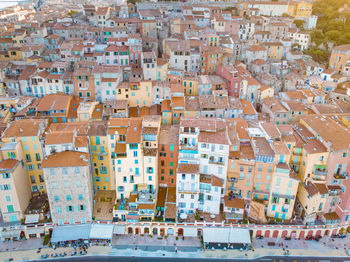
(190, 85)
(300, 10)
(103, 174)
(15, 190)
(140, 94)
(274, 50)
(284, 187)
(313, 162)
(303, 10)
(29, 132)
(162, 69)
(311, 200)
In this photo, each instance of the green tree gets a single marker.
(333, 35)
(299, 23)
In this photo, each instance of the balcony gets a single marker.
(183, 190)
(341, 176)
(263, 192)
(232, 179)
(184, 146)
(217, 163)
(320, 172)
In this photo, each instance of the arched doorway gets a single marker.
(293, 234)
(302, 234)
(318, 233)
(170, 231)
(146, 230)
(258, 233)
(137, 230)
(155, 231)
(348, 229)
(267, 233)
(284, 233)
(275, 233)
(200, 232)
(326, 233)
(334, 232)
(130, 231)
(180, 232)
(342, 231)
(162, 231)
(310, 233)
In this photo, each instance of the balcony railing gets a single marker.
(216, 163)
(321, 172)
(184, 146)
(344, 175)
(232, 179)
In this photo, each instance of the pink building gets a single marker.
(231, 27)
(230, 73)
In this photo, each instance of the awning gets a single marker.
(16, 233)
(216, 235)
(119, 230)
(190, 232)
(226, 235)
(35, 230)
(32, 219)
(240, 236)
(70, 233)
(320, 166)
(101, 231)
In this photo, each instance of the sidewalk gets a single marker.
(317, 250)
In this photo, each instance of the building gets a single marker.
(27, 134)
(339, 59)
(15, 190)
(69, 187)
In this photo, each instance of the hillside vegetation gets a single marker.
(333, 26)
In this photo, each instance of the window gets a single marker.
(10, 208)
(68, 197)
(5, 187)
(78, 183)
(58, 210)
(80, 197)
(70, 208)
(56, 198)
(28, 158)
(6, 175)
(278, 181)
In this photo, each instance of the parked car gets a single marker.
(260, 237)
(341, 235)
(317, 238)
(309, 238)
(287, 238)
